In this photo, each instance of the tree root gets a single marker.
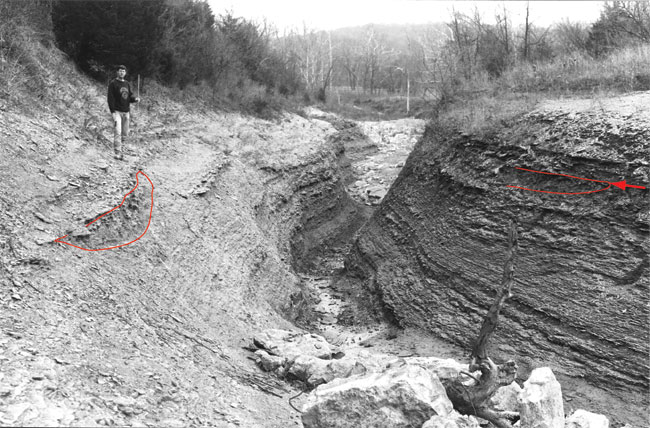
(472, 398)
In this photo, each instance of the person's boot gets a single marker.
(117, 147)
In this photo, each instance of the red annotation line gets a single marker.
(620, 184)
(137, 182)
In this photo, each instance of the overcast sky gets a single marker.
(332, 14)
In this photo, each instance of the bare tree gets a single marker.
(637, 19)
(349, 60)
(526, 32)
(308, 53)
(465, 40)
(571, 37)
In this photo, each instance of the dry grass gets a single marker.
(19, 66)
(358, 105)
(478, 105)
(623, 71)
(483, 113)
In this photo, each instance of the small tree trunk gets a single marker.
(472, 397)
(479, 351)
(526, 32)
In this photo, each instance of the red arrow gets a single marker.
(622, 185)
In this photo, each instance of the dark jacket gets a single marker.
(119, 96)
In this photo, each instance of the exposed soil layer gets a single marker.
(151, 333)
(370, 156)
(433, 252)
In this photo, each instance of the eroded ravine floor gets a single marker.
(373, 170)
(377, 152)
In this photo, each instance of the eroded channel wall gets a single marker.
(432, 254)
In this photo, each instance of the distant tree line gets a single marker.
(181, 42)
(385, 59)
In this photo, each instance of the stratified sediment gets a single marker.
(432, 254)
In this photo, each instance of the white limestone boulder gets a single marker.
(289, 344)
(452, 420)
(540, 402)
(584, 419)
(315, 371)
(269, 362)
(372, 361)
(507, 398)
(443, 368)
(400, 397)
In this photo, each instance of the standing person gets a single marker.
(120, 98)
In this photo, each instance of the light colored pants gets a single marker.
(121, 130)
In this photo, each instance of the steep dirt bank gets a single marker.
(329, 216)
(370, 156)
(150, 333)
(432, 254)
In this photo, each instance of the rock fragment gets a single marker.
(507, 398)
(443, 368)
(584, 419)
(269, 362)
(401, 397)
(290, 344)
(453, 420)
(540, 402)
(315, 371)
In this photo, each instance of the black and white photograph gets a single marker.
(324, 214)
